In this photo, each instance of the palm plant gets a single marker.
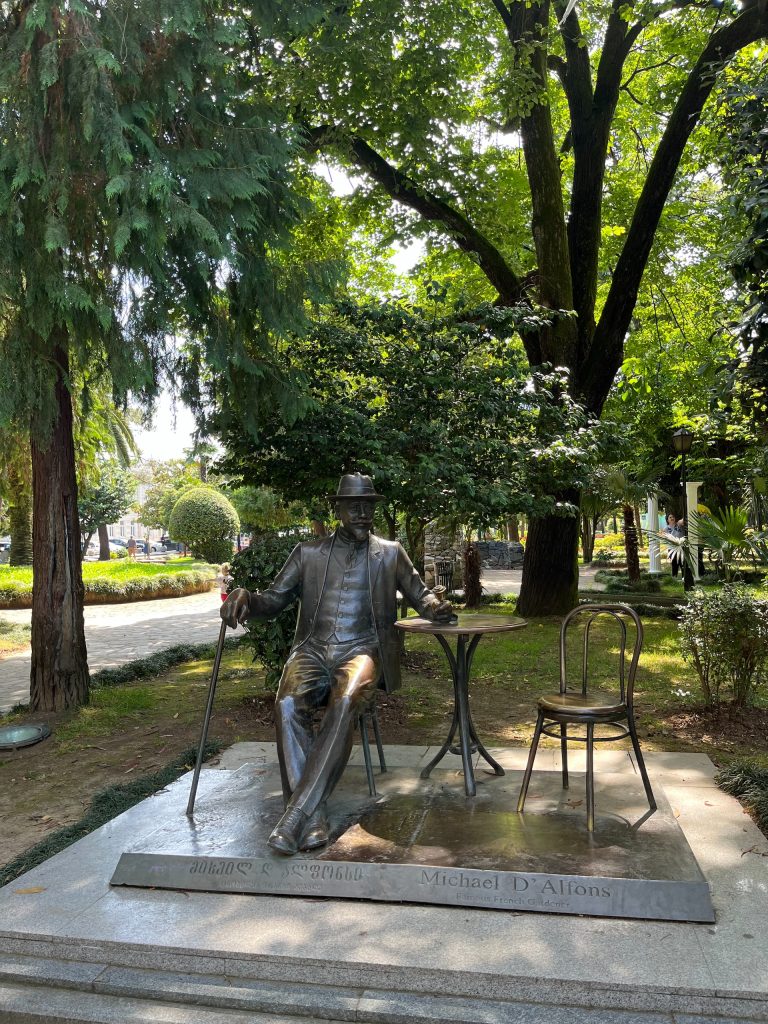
(727, 535)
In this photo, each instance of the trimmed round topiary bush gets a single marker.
(205, 521)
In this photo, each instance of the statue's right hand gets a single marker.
(236, 608)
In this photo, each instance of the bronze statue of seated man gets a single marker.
(344, 648)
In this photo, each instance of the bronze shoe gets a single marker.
(316, 830)
(286, 834)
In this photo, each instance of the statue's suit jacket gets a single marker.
(389, 570)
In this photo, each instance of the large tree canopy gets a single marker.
(541, 141)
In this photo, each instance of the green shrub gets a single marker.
(255, 568)
(604, 557)
(618, 584)
(205, 521)
(747, 779)
(610, 540)
(724, 634)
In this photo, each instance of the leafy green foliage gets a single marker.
(167, 481)
(725, 635)
(206, 521)
(255, 568)
(261, 510)
(435, 403)
(104, 502)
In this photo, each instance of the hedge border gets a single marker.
(155, 588)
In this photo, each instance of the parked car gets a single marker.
(120, 542)
(154, 546)
(5, 543)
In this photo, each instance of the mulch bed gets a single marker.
(726, 725)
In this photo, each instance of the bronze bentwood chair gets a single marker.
(568, 707)
(369, 717)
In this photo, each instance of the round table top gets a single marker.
(467, 623)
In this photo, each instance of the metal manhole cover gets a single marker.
(14, 736)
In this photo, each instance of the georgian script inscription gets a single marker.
(304, 875)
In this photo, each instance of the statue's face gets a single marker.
(356, 515)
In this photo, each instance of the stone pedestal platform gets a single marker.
(424, 841)
(74, 948)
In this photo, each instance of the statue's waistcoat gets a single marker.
(344, 611)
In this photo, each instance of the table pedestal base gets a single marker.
(468, 741)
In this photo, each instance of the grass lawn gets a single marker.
(13, 637)
(137, 728)
(121, 579)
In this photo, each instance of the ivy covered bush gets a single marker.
(255, 568)
(206, 522)
(724, 633)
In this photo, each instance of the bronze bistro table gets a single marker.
(468, 630)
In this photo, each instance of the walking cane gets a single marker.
(207, 719)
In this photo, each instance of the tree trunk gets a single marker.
(630, 545)
(587, 538)
(638, 526)
(104, 553)
(20, 527)
(319, 529)
(59, 676)
(473, 589)
(513, 529)
(415, 529)
(551, 567)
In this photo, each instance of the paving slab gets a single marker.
(399, 957)
(118, 633)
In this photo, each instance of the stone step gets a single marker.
(38, 989)
(36, 1004)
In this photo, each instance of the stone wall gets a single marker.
(500, 554)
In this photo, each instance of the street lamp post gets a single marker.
(682, 440)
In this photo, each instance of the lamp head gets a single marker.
(682, 440)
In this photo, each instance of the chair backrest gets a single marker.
(583, 618)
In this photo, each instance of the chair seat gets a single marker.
(594, 705)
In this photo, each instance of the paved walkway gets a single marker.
(117, 633)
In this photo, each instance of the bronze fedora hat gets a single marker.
(356, 485)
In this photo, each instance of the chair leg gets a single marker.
(377, 737)
(564, 753)
(367, 754)
(529, 765)
(590, 777)
(641, 763)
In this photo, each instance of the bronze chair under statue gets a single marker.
(344, 648)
